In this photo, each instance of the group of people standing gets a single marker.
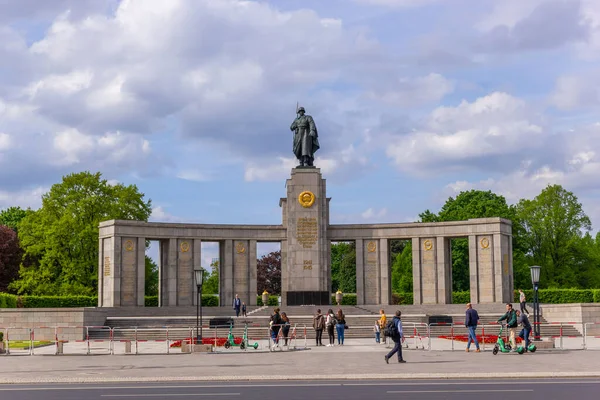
(330, 322)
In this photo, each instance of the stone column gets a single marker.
(372, 271)
(110, 275)
(416, 264)
(100, 271)
(285, 273)
(185, 272)
(197, 261)
(386, 278)
(241, 270)
(426, 264)
(503, 269)
(141, 272)
(129, 268)
(481, 268)
(168, 273)
(226, 274)
(444, 271)
(360, 273)
(308, 271)
(252, 289)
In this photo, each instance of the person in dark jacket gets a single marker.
(471, 320)
(398, 338)
(285, 328)
(524, 322)
(511, 323)
(275, 325)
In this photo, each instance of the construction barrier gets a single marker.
(591, 336)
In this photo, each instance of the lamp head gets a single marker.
(199, 276)
(535, 274)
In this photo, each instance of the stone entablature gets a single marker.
(305, 236)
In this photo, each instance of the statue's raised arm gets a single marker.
(306, 138)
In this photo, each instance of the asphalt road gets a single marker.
(538, 389)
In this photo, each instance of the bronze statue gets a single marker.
(306, 138)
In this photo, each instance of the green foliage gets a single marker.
(12, 216)
(596, 295)
(151, 301)
(349, 299)
(8, 300)
(61, 238)
(1, 336)
(11, 255)
(559, 296)
(211, 279)
(209, 300)
(552, 225)
(58, 301)
(273, 301)
(343, 267)
(405, 298)
(402, 270)
(151, 278)
(461, 297)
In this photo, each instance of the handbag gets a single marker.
(346, 326)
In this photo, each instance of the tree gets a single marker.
(467, 205)
(10, 256)
(402, 270)
(12, 216)
(553, 224)
(61, 238)
(151, 278)
(268, 274)
(211, 279)
(343, 267)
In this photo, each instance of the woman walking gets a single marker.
(340, 326)
(285, 321)
(330, 324)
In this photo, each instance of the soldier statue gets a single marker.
(306, 138)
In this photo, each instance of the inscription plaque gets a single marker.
(106, 266)
(308, 264)
(307, 231)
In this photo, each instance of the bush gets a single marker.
(58, 301)
(461, 297)
(1, 336)
(8, 300)
(273, 301)
(209, 300)
(561, 296)
(348, 300)
(405, 298)
(596, 295)
(151, 301)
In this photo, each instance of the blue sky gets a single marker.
(191, 100)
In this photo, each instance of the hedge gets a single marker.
(8, 300)
(273, 301)
(562, 296)
(349, 299)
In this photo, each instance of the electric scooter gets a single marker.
(505, 347)
(230, 342)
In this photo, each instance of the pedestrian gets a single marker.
(330, 323)
(382, 323)
(471, 320)
(524, 322)
(319, 325)
(377, 330)
(523, 302)
(285, 327)
(244, 310)
(237, 304)
(511, 324)
(394, 330)
(275, 325)
(340, 326)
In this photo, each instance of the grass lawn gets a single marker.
(25, 344)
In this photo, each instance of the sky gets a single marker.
(191, 100)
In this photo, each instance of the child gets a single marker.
(377, 331)
(244, 310)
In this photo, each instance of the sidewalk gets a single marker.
(340, 363)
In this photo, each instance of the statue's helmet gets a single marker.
(301, 109)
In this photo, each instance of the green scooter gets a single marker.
(505, 347)
(230, 342)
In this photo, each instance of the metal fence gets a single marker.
(92, 340)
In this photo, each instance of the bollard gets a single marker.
(59, 347)
(128, 347)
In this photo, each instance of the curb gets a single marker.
(259, 378)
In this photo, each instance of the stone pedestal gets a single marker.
(490, 268)
(305, 274)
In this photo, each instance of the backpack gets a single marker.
(391, 329)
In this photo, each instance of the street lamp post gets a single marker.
(199, 276)
(535, 281)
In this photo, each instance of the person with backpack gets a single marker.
(275, 325)
(285, 329)
(330, 323)
(393, 330)
(471, 320)
(319, 325)
(511, 324)
(524, 322)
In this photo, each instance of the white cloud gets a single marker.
(491, 126)
(4, 141)
(576, 91)
(412, 92)
(370, 214)
(159, 214)
(194, 176)
(25, 198)
(397, 3)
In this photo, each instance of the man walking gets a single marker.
(394, 330)
(471, 319)
(524, 334)
(523, 302)
(511, 323)
(237, 304)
